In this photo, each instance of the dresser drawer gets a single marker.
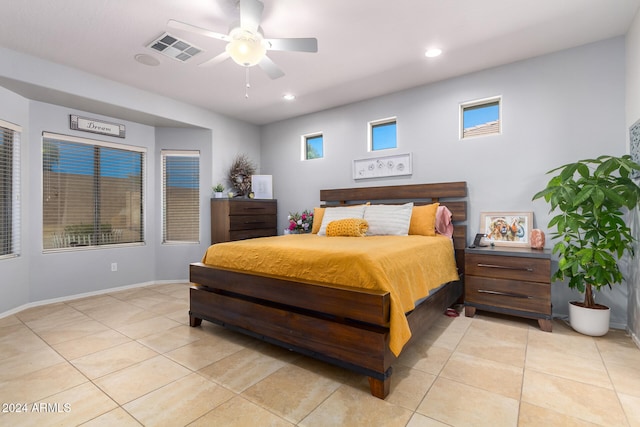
(250, 234)
(251, 222)
(508, 267)
(509, 294)
(251, 207)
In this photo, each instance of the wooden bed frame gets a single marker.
(346, 326)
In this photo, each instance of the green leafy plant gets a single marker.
(219, 188)
(591, 196)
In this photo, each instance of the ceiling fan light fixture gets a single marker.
(246, 48)
(432, 53)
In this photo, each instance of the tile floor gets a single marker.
(129, 358)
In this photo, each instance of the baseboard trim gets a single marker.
(87, 294)
(634, 337)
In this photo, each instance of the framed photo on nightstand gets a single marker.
(507, 228)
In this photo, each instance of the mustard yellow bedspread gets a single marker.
(408, 267)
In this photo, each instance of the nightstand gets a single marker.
(509, 280)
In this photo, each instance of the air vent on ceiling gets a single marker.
(174, 48)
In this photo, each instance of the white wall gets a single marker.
(14, 272)
(52, 275)
(170, 259)
(35, 276)
(633, 115)
(557, 109)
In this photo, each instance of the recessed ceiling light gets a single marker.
(432, 53)
(147, 59)
(289, 97)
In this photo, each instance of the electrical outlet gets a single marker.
(114, 266)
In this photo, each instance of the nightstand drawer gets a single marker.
(252, 207)
(509, 294)
(251, 222)
(508, 267)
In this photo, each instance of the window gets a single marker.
(9, 189)
(382, 134)
(481, 117)
(312, 146)
(92, 192)
(180, 196)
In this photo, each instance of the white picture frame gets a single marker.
(379, 167)
(262, 186)
(506, 228)
(634, 146)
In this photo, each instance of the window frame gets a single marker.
(14, 214)
(98, 144)
(475, 104)
(178, 153)
(304, 145)
(381, 122)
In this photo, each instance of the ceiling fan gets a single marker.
(246, 44)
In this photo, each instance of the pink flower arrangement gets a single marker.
(300, 223)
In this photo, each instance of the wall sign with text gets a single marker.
(96, 126)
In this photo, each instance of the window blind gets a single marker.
(92, 192)
(180, 196)
(9, 189)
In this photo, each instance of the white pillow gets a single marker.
(386, 220)
(340, 212)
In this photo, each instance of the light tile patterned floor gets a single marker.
(130, 358)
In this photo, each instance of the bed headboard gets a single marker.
(450, 194)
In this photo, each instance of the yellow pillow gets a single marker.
(348, 227)
(423, 220)
(318, 213)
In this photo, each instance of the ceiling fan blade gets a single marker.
(297, 45)
(269, 67)
(193, 29)
(250, 14)
(215, 60)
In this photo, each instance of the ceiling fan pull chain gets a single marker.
(247, 84)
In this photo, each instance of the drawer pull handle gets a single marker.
(255, 208)
(504, 267)
(506, 294)
(254, 222)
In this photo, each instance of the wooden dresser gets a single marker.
(239, 219)
(515, 281)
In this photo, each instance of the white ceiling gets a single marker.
(366, 48)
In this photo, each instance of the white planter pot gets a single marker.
(218, 194)
(589, 321)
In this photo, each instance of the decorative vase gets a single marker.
(589, 321)
(218, 194)
(537, 239)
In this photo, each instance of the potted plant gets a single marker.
(591, 197)
(218, 190)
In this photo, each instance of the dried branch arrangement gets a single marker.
(240, 174)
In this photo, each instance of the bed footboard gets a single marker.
(326, 324)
